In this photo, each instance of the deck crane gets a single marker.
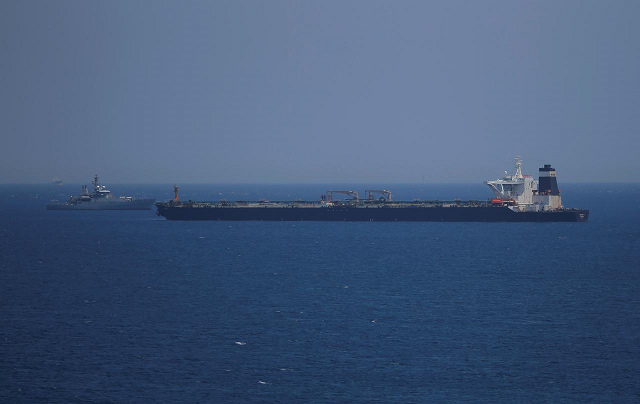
(386, 193)
(353, 194)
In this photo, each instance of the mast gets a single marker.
(96, 183)
(518, 167)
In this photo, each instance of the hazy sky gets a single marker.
(322, 91)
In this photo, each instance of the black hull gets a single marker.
(372, 214)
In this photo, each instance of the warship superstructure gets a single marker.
(101, 199)
(518, 198)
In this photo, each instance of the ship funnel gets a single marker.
(548, 183)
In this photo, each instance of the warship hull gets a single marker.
(136, 204)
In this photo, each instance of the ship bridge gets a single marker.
(518, 188)
(99, 190)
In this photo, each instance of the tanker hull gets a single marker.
(367, 214)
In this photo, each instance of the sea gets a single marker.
(127, 307)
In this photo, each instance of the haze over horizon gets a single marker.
(310, 92)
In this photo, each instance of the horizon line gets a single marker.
(301, 183)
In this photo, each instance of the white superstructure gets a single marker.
(521, 192)
(517, 188)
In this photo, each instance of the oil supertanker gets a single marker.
(518, 198)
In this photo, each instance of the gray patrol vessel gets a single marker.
(101, 199)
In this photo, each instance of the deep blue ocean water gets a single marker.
(123, 307)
